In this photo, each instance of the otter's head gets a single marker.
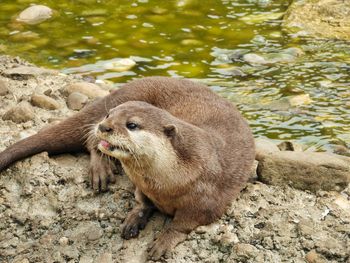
(138, 131)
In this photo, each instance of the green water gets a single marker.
(205, 41)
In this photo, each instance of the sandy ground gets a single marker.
(49, 214)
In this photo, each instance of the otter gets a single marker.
(188, 151)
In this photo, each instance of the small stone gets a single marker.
(254, 59)
(290, 146)
(314, 257)
(45, 102)
(191, 42)
(23, 112)
(63, 241)
(89, 89)
(120, 65)
(299, 100)
(105, 258)
(35, 14)
(94, 234)
(76, 101)
(159, 10)
(229, 238)
(3, 88)
(259, 18)
(245, 250)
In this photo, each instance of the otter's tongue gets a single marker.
(105, 144)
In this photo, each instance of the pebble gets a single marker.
(245, 250)
(3, 88)
(63, 241)
(23, 112)
(45, 102)
(76, 101)
(191, 42)
(88, 89)
(35, 14)
(94, 234)
(105, 258)
(299, 100)
(314, 257)
(290, 146)
(120, 65)
(254, 59)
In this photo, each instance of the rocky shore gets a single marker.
(295, 209)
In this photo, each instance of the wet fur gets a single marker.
(213, 144)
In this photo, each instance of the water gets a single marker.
(204, 41)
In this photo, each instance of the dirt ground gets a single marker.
(48, 213)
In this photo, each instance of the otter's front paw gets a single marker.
(136, 221)
(163, 245)
(101, 174)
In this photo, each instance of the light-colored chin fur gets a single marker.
(118, 154)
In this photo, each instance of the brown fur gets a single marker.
(212, 142)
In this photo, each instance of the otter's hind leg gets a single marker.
(138, 217)
(185, 220)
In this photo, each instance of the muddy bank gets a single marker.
(48, 213)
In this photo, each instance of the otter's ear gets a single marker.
(170, 130)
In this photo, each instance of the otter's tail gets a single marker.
(67, 136)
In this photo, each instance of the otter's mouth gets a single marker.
(111, 147)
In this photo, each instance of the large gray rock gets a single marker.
(305, 170)
(320, 18)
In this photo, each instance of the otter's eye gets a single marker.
(131, 126)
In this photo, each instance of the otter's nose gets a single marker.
(104, 128)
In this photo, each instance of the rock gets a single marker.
(45, 102)
(299, 100)
(252, 58)
(94, 234)
(29, 70)
(21, 113)
(120, 65)
(76, 101)
(191, 42)
(3, 88)
(264, 147)
(341, 150)
(63, 241)
(322, 18)
(35, 14)
(89, 89)
(305, 170)
(259, 18)
(314, 257)
(105, 258)
(245, 250)
(290, 146)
